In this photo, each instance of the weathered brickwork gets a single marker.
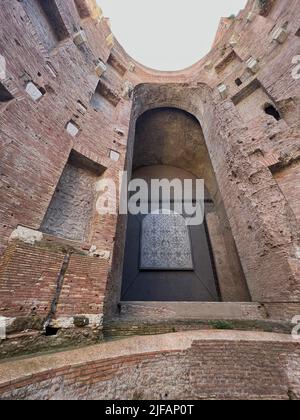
(205, 365)
(35, 148)
(29, 277)
(67, 88)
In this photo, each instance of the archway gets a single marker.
(165, 258)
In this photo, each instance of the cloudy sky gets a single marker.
(167, 34)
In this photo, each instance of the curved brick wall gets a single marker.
(67, 93)
(190, 365)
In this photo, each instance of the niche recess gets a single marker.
(104, 95)
(231, 62)
(253, 101)
(116, 62)
(47, 21)
(71, 209)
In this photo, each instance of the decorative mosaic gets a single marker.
(165, 243)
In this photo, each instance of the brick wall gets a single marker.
(83, 290)
(180, 366)
(35, 147)
(28, 280)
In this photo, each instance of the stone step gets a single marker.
(192, 311)
(150, 318)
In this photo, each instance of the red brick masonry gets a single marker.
(190, 365)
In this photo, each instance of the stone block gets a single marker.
(127, 90)
(250, 17)
(80, 38)
(119, 131)
(100, 68)
(95, 252)
(115, 156)
(131, 67)
(280, 35)
(81, 108)
(223, 90)
(72, 129)
(81, 321)
(208, 65)
(24, 234)
(33, 91)
(233, 40)
(252, 65)
(2, 68)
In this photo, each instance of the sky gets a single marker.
(167, 34)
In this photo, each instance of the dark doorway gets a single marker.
(193, 282)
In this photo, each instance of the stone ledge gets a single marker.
(117, 329)
(192, 311)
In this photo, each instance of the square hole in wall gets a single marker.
(298, 32)
(238, 82)
(104, 93)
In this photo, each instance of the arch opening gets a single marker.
(168, 143)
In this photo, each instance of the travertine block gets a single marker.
(80, 38)
(33, 91)
(72, 129)
(223, 90)
(280, 35)
(115, 156)
(253, 65)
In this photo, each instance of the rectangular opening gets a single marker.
(230, 62)
(298, 32)
(46, 19)
(5, 96)
(117, 64)
(70, 212)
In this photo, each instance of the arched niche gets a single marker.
(172, 128)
